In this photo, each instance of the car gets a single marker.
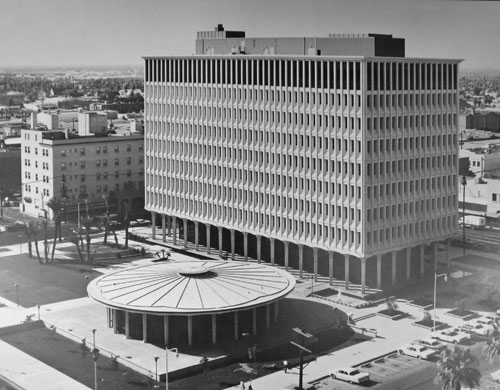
(486, 321)
(351, 375)
(418, 351)
(496, 376)
(477, 328)
(452, 335)
(432, 344)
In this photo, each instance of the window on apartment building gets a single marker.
(104, 149)
(117, 174)
(129, 148)
(82, 152)
(82, 164)
(98, 150)
(117, 162)
(98, 163)
(494, 197)
(117, 149)
(63, 166)
(105, 176)
(129, 160)
(105, 188)
(63, 152)
(82, 178)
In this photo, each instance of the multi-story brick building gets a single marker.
(320, 153)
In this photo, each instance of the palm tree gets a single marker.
(29, 231)
(392, 306)
(457, 368)
(492, 346)
(35, 238)
(87, 223)
(45, 225)
(75, 239)
(56, 206)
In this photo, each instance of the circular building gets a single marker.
(192, 301)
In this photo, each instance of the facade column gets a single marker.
(330, 267)
(127, 325)
(363, 275)
(153, 225)
(245, 246)
(272, 241)
(286, 243)
(190, 330)
(422, 261)
(346, 271)
(259, 249)
(207, 228)
(276, 311)
(448, 259)
(394, 255)
(163, 228)
(254, 321)
(214, 328)
(379, 271)
(236, 333)
(435, 248)
(196, 236)
(301, 260)
(165, 329)
(115, 326)
(268, 319)
(232, 243)
(408, 264)
(315, 252)
(174, 229)
(169, 225)
(185, 233)
(220, 241)
(144, 328)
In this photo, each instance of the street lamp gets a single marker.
(166, 363)
(17, 293)
(95, 356)
(156, 371)
(464, 183)
(436, 276)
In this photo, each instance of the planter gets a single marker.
(421, 303)
(430, 324)
(460, 313)
(392, 314)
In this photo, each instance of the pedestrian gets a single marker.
(250, 386)
(242, 385)
(285, 366)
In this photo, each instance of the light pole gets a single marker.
(464, 183)
(156, 372)
(17, 293)
(78, 212)
(166, 363)
(436, 276)
(95, 356)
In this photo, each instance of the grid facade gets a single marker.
(349, 154)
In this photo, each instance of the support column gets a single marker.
(435, 248)
(259, 249)
(220, 241)
(394, 255)
(363, 275)
(276, 311)
(408, 264)
(165, 330)
(153, 225)
(174, 229)
(145, 328)
(196, 236)
(268, 319)
(346, 271)
(315, 258)
(254, 321)
(185, 233)
(330, 267)
(232, 243)
(286, 254)
(272, 241)
(163, 228)
(207, 228)
(127, 325)
(115, 326)
(190, 330)
(379, 271)
(301, 260)
(422, 261)
(236, 334)
(214, 328)
(245, 246)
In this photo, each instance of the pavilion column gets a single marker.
(379, 271)
(236, 334)
(422, 261)
(315, 252)
(196, 237)
(394, 255)
(276, 311)
(185, 233)
(153, 225)
(127, 325)
(363, 275)
(259, 249)
(220, 241)
(330, 267)
(232, 243)
(408, 264)
(174, 229)
(214, 328)
(245, 246)
(346, 270)
(286, 254)
(435, 248)
(272, 242)
(207, 228)
(190, 330)
(145, 328)
(115, 326)
(165, 329)
(163, 228)
(254, 320)
(301, 260)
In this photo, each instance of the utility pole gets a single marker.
(303, 336)
(1, 192)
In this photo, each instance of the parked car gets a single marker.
(496, 376)
(15, 227)
(483, 320)
(477, 328)
(418, 351)
(431, 344)
(452, 335)
(351, 375)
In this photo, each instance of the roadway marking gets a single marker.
(373, 372)
(381, 364)
(399, 361)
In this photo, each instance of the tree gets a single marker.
(87, 223)
(55, 204)
(492, 346)
(457, 368)
(45, 226)
(30, 231)
(75, 239)
(392, 306)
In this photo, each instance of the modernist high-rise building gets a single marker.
(316, 153)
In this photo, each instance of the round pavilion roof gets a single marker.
(191, 287)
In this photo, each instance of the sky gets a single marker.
(120, 32)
